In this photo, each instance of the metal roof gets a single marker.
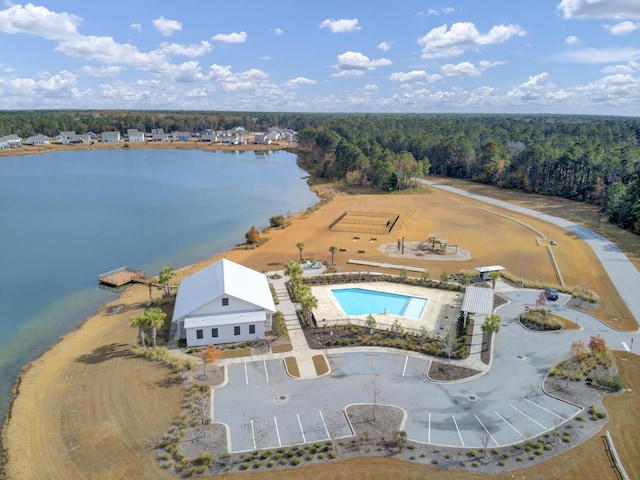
(222, 278)
(478, 300)
(490, 268)
(226, 319)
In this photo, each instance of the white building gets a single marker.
(223, 303)
(134, 135)
(111, 137)
(38, 139)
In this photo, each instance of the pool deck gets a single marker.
(329, 311)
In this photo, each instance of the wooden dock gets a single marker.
(121, 276)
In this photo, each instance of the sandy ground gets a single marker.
(87, 409)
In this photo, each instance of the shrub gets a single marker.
(435, 461)
(295, 461)
(271, 464)
(502, 463)
(244, 466)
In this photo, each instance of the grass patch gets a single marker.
(291, 365)
(287, 347)
(236, 353)
(321, 364)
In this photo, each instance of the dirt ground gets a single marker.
(88, 410)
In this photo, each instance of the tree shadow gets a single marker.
(104, 353)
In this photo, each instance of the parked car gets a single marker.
(551, 294)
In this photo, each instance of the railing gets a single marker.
(615, 460)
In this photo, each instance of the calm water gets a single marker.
(360, 301)
(65, 217)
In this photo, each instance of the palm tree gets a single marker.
(155, 320)
(333, 249)
(139, 322)
(300, 246)
(494, 276)
(491, 324)
(165, 275)
(308, 302)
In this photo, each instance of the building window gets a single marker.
(236, 330)
(225, 302)
(214, 332)
(199, 334)
(252, 329)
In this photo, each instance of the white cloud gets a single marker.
(101, 72)
(468, 69)
(234, 37)
(384, 46)
(623, 28)
(415, 76)
(276, 31)
(615, 9)
(195, 50)
(356, 64)
(538, 90)
(299, 81)
(571, 40)
(602, 55)
(136, 26)
(433, 12)
(252, 79)
(167, 27)
(187, 72)
(444, 42)
(342, 25)
(39, 21)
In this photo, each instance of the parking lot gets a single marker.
(264, 408)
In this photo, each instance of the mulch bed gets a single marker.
(446, 372)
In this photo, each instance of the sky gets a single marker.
(429, 56)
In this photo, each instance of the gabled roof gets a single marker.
(223, 278)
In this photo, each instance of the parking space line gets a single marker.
(382, 363)
(505, 421)
(626, 347)
(275, 420)
(253, 434)
(324, 424)
(533, 420)
(485, 429)
(347, 363)
(429, 434)
(545, 409)
(459, 435)
(246, 374)
(362, 363)
(406, 360)
(304, 439)
(266, 372)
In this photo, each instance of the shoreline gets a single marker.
(270, 256)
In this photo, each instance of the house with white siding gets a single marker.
(12, 140)
(223, 303)
(182, 136)
(134, 135)
(158, 135)
(38, 139)
(113, 137)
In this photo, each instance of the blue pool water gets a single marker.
(360, 301)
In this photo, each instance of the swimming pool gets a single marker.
(360, 301)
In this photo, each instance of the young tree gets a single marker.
(164, 277)
(370, 323)
(494, 276)
(278, 325)
(396, 328)
(252, 236)
(444, 278)
(300, 247)
(209, 356)
(139, 322)
(333, 249)
(276, 221)
(372, 388)
(578, 349)
(155, 319)
(200, 409)
(425, 276)
(597, 344)
(449, 345)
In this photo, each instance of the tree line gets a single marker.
(593, 159)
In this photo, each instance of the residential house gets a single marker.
(223, 303)
(182, 136)
(111, 137)
(158, 135)
(134, 135)
(261, 139)
(38, 139)
(66, 137)
(12, 141)
(209, 136)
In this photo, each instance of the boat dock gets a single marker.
(121, 276)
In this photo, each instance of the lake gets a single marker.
(66, 217)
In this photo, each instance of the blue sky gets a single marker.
(493, 56)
